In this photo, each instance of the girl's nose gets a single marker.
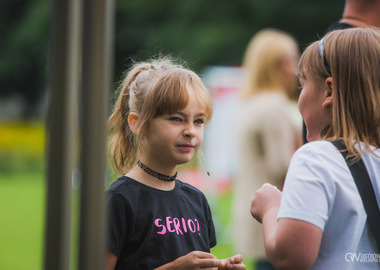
(189, 130)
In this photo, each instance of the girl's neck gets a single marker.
(141, 176)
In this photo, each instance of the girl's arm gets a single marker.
(111, 260)
(289, 243)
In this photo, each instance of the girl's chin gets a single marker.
(184, 160)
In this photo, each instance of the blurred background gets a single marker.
(210, 36)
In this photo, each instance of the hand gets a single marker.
(193, 261)
(234, 262)
(266, 198)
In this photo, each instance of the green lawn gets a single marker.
(22, 197)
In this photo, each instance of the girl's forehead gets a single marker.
(195, 103)
(305, 74)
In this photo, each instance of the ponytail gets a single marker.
(123, 145)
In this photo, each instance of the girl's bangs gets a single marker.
(311, 65)
(172, 93)
(170, 96)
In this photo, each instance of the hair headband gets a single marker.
(322, 54)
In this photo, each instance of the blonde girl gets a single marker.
(321, 222)
(155, 220)
(266, 131)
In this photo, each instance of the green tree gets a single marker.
(203, 33)
(213, 32)
(24, 32)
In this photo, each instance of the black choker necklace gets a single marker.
(158, 175)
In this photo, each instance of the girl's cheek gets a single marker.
(301, 101)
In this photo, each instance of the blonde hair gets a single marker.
(150, 89)
(265, 52)
(354, 59)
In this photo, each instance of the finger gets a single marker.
(208, 263)
(267, 185)
(239, 266)
(222, 264)
(204, 255)
(238, 258)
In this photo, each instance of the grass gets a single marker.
(22, 197)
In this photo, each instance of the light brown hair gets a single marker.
(150, 89)
(354, 58)
(262, 58)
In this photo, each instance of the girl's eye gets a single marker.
(199, 121)
(175, 119)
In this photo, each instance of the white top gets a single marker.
(319, 189)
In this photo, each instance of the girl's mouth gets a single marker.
(186, 147)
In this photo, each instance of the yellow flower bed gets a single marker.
(22, 137)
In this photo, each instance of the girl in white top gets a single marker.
(319, 221)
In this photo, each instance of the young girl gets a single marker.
(320, 221)
(155, 220)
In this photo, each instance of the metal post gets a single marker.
(63, 86)
(97, 29)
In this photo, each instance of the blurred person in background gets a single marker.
(359, 13)
(268, 128)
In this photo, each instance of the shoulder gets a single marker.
(317, 149)
(189, 189)
(338, 26)
(265, 99)
(125, 188)
(264, 108)
(320, 160)
(121, 184)
(315, 172)
(192, 194)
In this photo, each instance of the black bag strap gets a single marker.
(364, 185)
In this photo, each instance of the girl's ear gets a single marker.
(133, 122)
(328, 93)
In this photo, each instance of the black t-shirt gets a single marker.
(149, 227)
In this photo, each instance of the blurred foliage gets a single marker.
(21, 147)
(23, 48)
(213, 32)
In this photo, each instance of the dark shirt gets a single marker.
(338, 26)
(149, 227)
